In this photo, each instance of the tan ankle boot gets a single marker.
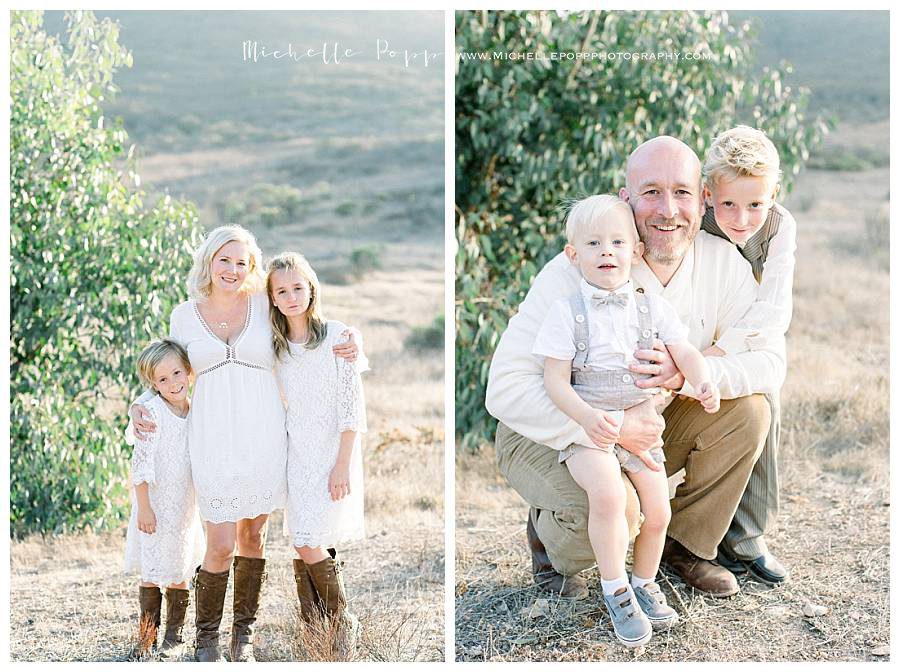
(327, 577)
(177, 600)
(249, 577)
(310, 604)
(209, 600)
(150, 599)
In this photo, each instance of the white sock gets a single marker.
(610, 587)
(638, 582)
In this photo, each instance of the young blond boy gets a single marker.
(587, 341)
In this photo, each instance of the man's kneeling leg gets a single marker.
(560, 524)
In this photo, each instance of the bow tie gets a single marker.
(611, 299)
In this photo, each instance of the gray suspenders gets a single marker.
(582, 333)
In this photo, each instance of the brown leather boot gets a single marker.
(310, 604)
(249, 577)
(209, 601)
(705, 576)
(150, 599)
(542, 570)
(327, 578)
(177, 600)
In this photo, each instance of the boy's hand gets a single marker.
(339, 481)
(146, 520)
(648, 460)
(142, 421)
(347, 350)
(709, 397)
(600, 427)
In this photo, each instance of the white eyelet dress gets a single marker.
(324, 396)
(236, 431)
(170, 554)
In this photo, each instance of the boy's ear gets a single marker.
(707, 196)
(571, 253)
(638, 250)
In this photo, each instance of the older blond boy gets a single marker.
(742, 176)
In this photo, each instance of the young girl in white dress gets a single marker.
(325, 416)
(741, 179)
(164, 539)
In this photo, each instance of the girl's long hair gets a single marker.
(291, 261)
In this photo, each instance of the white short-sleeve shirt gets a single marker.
(614, 331)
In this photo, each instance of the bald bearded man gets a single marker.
(711, 286)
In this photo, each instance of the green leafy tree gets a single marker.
(530, 133)
(94, 274)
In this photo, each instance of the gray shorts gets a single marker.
(629, 461)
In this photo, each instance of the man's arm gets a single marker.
(515, 392)
(752, 371)
(724, 290)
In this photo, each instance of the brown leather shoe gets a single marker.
(310, 603)
(249, 578)
(150, 599)
(177, 600)
(705, 576)
(209, 601)
(328, 579)
(542, 570)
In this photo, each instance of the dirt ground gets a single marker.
(833, 530)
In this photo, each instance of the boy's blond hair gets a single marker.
(586, 210)
(741, 152)
(155, 353)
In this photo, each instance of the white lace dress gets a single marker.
(236, 432)
(324, 397)
(170, 554)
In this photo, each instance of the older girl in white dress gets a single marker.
(325, 416)
(236, 431)
(164, 539)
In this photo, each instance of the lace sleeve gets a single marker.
(144, 456)
(351, 405)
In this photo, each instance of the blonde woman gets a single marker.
(236, 431)
(324, 473)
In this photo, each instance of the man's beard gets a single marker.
(667, 248)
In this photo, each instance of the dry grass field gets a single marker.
(70, 601)
(833, 529)
(360, 193)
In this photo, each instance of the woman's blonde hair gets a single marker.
(583, 212)
(291, 261)
(155, 352)
(741, 152)
(199, 282)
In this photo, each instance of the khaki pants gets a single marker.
(717, 451)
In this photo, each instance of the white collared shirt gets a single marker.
(613, 330)
(711, 291)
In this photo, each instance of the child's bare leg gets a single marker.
(653, 492)
(312, 554)
(144, 584)
(597, 472)
(179, 586)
